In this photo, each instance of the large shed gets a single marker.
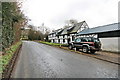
(108, 35)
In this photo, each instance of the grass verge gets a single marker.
(4, 59)
(52, 44)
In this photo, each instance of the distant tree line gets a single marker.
(35, 35)
(38, 34)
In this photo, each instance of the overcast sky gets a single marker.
(54, 13)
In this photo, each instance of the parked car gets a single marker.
(86, 44)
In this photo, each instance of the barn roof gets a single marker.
(100, 29)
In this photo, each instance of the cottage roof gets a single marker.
(59, 31)
(72, 29)
(76, 27)
(65, 30)
(69, 29)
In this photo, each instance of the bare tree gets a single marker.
(40, 34)
(71, 22)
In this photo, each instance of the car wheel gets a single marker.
(92, 51)
(70, 47)
(85, 49)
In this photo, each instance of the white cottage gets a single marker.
(66, 35)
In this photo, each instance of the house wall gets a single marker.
(72, 37)
(56, 41)
(110, 44)
(61, 39)
(66, 41)
(66, 36)
(51, 40)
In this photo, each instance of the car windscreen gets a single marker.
(96, 40)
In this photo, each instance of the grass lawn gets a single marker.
(4, 59)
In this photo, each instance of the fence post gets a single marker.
(60, 45)
(75, 49)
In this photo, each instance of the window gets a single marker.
(89, 40)
(63, 36)
(78, 40)
(63, 40)
(53, 40)
(84, 40)
(96, 40)
(59, 40)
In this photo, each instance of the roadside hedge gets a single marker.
(12, 21)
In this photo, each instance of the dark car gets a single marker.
(86, 44)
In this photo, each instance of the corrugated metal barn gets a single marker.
(108, 35)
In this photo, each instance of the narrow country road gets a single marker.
(42, 61)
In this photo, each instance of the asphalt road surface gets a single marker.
(38, 60)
